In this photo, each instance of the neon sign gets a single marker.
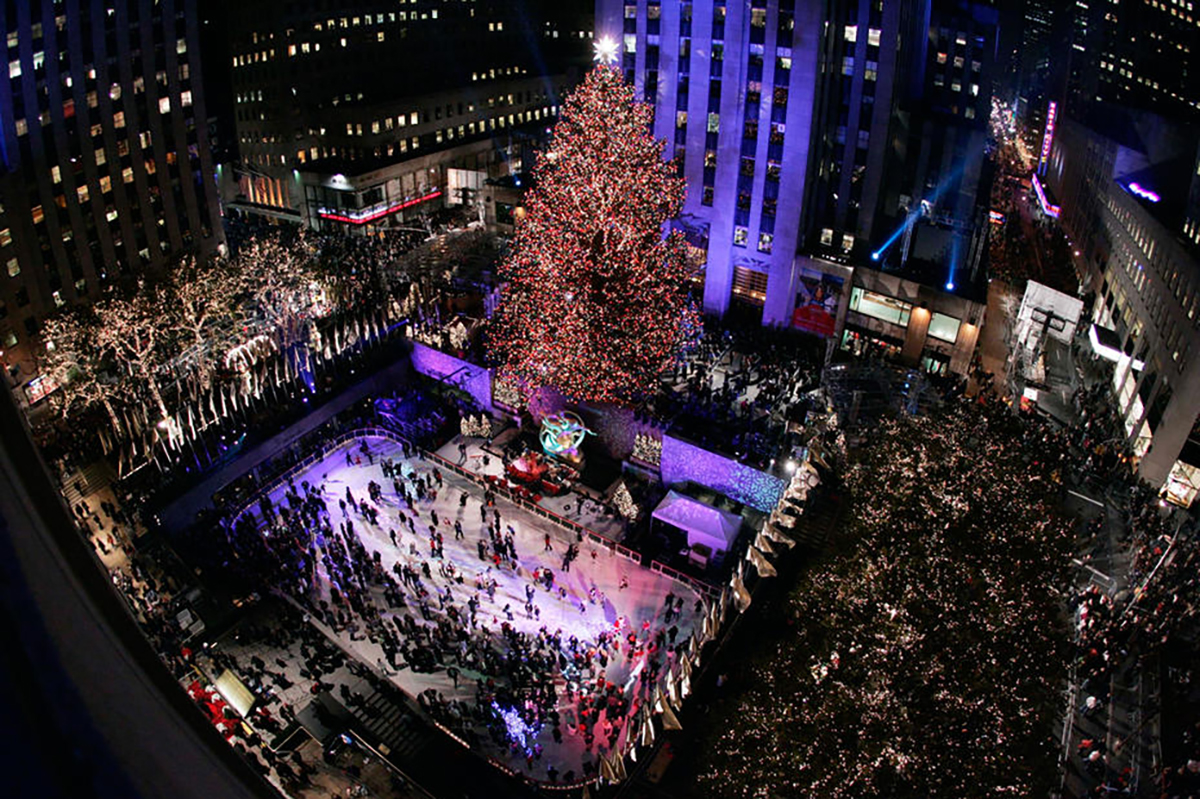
(366, 215)
(1050, 210)
(1048, 137)
(1145, 194)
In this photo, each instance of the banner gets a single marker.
(818, 295)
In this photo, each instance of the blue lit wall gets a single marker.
(475, 380)
(683, 462)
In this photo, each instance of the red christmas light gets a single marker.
(595, 302)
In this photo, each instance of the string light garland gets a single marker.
(595, 302)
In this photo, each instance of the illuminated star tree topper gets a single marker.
(595, 301)
(606, 50)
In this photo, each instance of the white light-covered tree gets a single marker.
(205, 303)
(283, 283)
(72, 358)
(134, 332)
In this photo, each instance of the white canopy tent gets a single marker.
(704, 524)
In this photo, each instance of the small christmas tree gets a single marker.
(595, 302)
(624, 502)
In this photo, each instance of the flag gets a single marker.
(647, 730)
(760, 562)
(778, 536)
(670, 720)
(607, 772)
(740, 595)
(763, 544)
(619, 765)
(672, 690)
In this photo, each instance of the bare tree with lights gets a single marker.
(136, 332)
(72, 359)
(206, 298)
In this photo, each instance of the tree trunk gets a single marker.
(202, 362)
(155, 394)
(112, 416)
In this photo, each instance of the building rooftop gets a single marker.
(1161, 189)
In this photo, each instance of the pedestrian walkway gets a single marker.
(284, 673)
(993, 337)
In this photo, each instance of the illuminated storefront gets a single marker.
(1182, 484)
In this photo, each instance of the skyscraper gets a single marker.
(873, 67)
(815, 130)
(734, 87)
(104, 147)
(1128, 182)
(346, 115)
(1032, 81)
(1139, 53)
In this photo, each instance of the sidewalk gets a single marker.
(336, 777)
(993, 338)
(1117, 725)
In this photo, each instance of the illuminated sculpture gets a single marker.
(561, 435)
(519, 731)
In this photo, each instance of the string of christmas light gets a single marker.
(595, 302)
(171, 357)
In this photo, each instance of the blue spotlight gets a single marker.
(950, 286)
(915, 214)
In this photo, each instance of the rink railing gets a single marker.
(337, 440)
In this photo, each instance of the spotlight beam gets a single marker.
(914, 215)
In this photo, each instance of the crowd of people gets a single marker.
(1152, 621)
(764, 373)
(473, 616)
(272, 715)
(156, 599)
(736, 392)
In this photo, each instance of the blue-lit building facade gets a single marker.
(734, 86)
(810, 133)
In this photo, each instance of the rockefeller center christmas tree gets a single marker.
(595, 301)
